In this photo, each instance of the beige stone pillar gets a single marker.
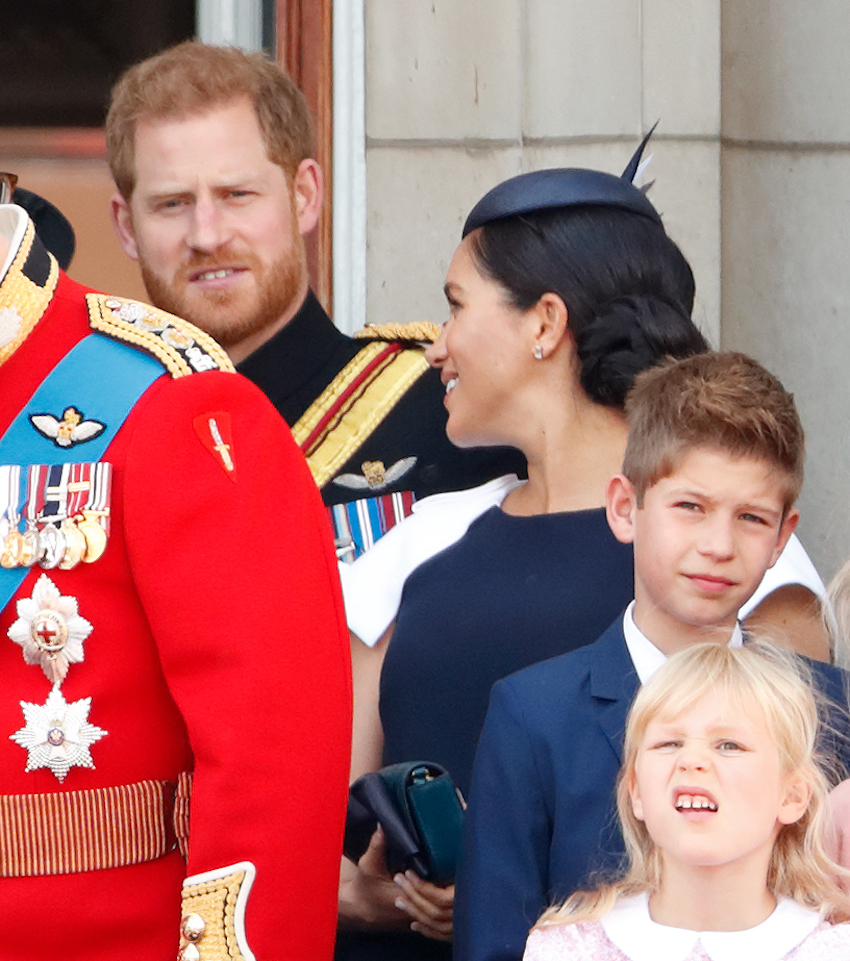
(786, 230)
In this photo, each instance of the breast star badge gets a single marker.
(68, 431)
(50, 630)
(57, 735)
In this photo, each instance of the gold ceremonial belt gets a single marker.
(89, 830)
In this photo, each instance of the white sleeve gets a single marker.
(373, 584)
(793, 567)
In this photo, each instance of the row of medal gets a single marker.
(65, 511)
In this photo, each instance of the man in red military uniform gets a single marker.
(170, 614)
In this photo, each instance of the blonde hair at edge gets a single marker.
(757, 678)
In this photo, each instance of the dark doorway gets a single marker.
(59, 58)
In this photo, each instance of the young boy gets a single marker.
(713, 466)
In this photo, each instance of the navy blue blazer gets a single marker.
(542, 818)
(542, 812)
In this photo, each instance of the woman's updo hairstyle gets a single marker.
(627, 288)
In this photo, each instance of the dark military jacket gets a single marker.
(407, 451)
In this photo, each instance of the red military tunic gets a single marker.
(217, 646)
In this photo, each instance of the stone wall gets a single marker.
(751, 163)
(785, 166)
(461, 94)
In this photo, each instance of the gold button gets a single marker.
(193, 927)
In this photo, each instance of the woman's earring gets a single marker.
(537, 352)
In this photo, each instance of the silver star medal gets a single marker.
(50, 630)
(57, 735)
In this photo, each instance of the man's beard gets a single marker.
(230, 315)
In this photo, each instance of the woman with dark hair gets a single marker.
(564, 287)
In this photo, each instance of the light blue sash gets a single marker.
(103, 379)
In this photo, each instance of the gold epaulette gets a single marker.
(178, 345)
(423, 331)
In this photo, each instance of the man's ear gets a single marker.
(122, 221)
(307, 192)
(786, 529)
(621, 508)
(798, 793)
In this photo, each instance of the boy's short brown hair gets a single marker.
(718, 399)
(193, 77)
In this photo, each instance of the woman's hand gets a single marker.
(430, 907)
(368, 893)
(371, 899)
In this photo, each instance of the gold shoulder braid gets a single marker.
(180, 346)
(356, 401)
(423, 331)
(23, 300)
(213, 914)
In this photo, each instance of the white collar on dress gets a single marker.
(633, 931)
(646, 657)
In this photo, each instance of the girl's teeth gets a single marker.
(451, 384)
(688, 802)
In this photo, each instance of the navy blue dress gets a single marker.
(513, 591)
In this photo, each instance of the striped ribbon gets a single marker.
(358, 524)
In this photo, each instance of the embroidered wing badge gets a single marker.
(375, 476)
(71, 430)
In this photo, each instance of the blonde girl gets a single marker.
(721, 800)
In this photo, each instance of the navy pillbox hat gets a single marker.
(563, 187)
(51, 225)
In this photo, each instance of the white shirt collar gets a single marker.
(13, 226)
(629, 926)
(646, 657)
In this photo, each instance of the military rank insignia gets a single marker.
(182, 348)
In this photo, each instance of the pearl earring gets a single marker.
(537, 352)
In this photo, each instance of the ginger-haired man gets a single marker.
(212, 152)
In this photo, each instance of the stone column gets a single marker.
(786, 230)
